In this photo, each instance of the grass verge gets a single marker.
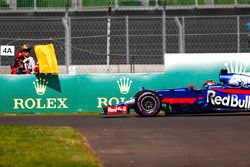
(22, 146)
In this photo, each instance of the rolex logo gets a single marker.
(236, 67)
(40, 86)
(124, 85)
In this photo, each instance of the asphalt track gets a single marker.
(213, 140)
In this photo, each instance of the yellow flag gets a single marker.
(46, 57)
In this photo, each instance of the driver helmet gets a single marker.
(209, 82)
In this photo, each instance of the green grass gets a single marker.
(34, 146)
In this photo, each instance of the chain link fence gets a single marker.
(55, 5)
(137, 44)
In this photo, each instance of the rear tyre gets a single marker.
(147, 104)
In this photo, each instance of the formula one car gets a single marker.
(231, 94)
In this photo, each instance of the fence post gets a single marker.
(238, 34)
(196, 3)
(116, 4)
(108, 35)
(79, 4)
(183, 35)
(127, 39)
(177, 21)
(74, 4)
(235, 2)
(35, 5)
(164, 32)
(67, 44)
(13, 4)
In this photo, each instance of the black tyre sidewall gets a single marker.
(138, 108)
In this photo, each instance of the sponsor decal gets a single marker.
(230, 100)
(39, 103)
(40, 86)
(117, 110)
(103, 101)
(124, 85)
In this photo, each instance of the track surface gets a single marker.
(175, 141)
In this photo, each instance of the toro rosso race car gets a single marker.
(231, 94)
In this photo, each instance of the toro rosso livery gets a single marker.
(231, 94)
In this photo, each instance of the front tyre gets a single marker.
(147, 104)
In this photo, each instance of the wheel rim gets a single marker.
(148, 104)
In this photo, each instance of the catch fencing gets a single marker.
(75, 5)
(129, 44)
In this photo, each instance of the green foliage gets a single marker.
(91, 3)
(26, 3)
(176, 2)
(129, 3)
(87, 3)
(24, 146)
(223, 1)
(3, 3)
(53, 3)
(243, 2)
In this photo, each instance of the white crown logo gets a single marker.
(124, 85)
(40, 86)
(236, 67)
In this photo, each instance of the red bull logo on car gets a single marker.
(230, 100)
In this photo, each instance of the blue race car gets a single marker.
(232, 94)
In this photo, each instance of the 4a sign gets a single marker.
(7, 50)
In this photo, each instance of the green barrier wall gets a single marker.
(86, 93)
(71, 93)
